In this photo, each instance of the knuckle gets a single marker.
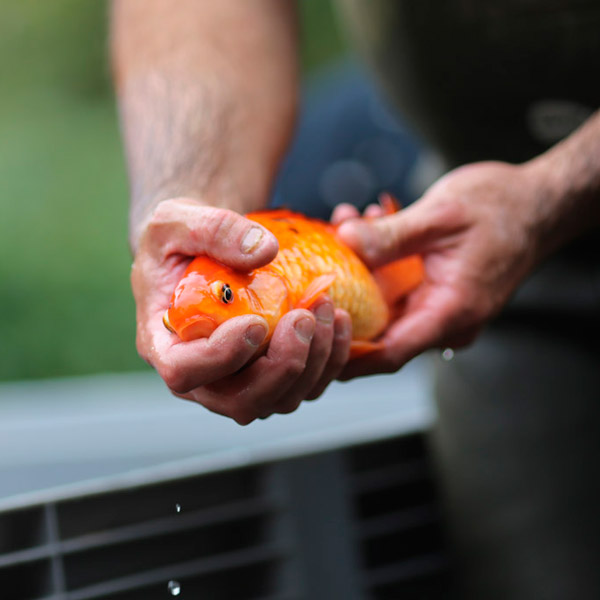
(187, 396)
(162, 216)
(242, 418)
(446, 209)
(317, 391)
(233, 354)
(162, 212)
(287, 406)
(219, 223)
(447, 214)
(160, 230)
(175, 379)
(155, 229)
(292, 368)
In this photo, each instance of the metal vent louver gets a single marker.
(399, 530)
(129, 544)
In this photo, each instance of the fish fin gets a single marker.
(362, 347)
(397, 279)
(316, 287)
(389, 204)
(277, 213)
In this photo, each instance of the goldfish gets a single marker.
(312, 260)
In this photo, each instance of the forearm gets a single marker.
(207, 97)
(568, 178)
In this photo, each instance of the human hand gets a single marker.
(477, 231)
(308, 348)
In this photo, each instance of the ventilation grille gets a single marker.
(398, 523)
(130, 544)
(248, 533)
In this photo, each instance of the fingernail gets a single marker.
(251, 240)
(305, 328)
(255, 335)
(324, 312)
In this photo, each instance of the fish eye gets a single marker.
(226, 294)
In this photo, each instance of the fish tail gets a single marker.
(362, 347)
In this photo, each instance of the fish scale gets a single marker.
(306, 252)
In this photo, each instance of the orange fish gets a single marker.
(311, 261)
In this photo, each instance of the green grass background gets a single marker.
(65, 302)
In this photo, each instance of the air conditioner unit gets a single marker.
(110, 489)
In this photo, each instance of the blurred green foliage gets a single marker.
(322, 41)
(65, 302)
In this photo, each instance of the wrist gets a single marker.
(568, 181)
(226, 159)
(564, 200)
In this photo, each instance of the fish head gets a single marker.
(211, 293)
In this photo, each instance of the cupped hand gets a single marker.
(476, 229)
(308, 348)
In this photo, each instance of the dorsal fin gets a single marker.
(277, 213)
(389, 204)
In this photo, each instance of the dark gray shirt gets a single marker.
(484, 79)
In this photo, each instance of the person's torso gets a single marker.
(485, 79)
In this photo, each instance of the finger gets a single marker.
(410, 231)
(343, 212)
(340, 352)
(254, 391)
(188, 365)
(182, 226)
(374, 211)
(378, 241)
(317, 360)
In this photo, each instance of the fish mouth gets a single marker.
(200, 327)
(167, 323)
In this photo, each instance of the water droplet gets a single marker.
(447, 354)
(174, 587)
(178, 508)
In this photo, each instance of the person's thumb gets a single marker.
(382, 240)
(183, 227)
